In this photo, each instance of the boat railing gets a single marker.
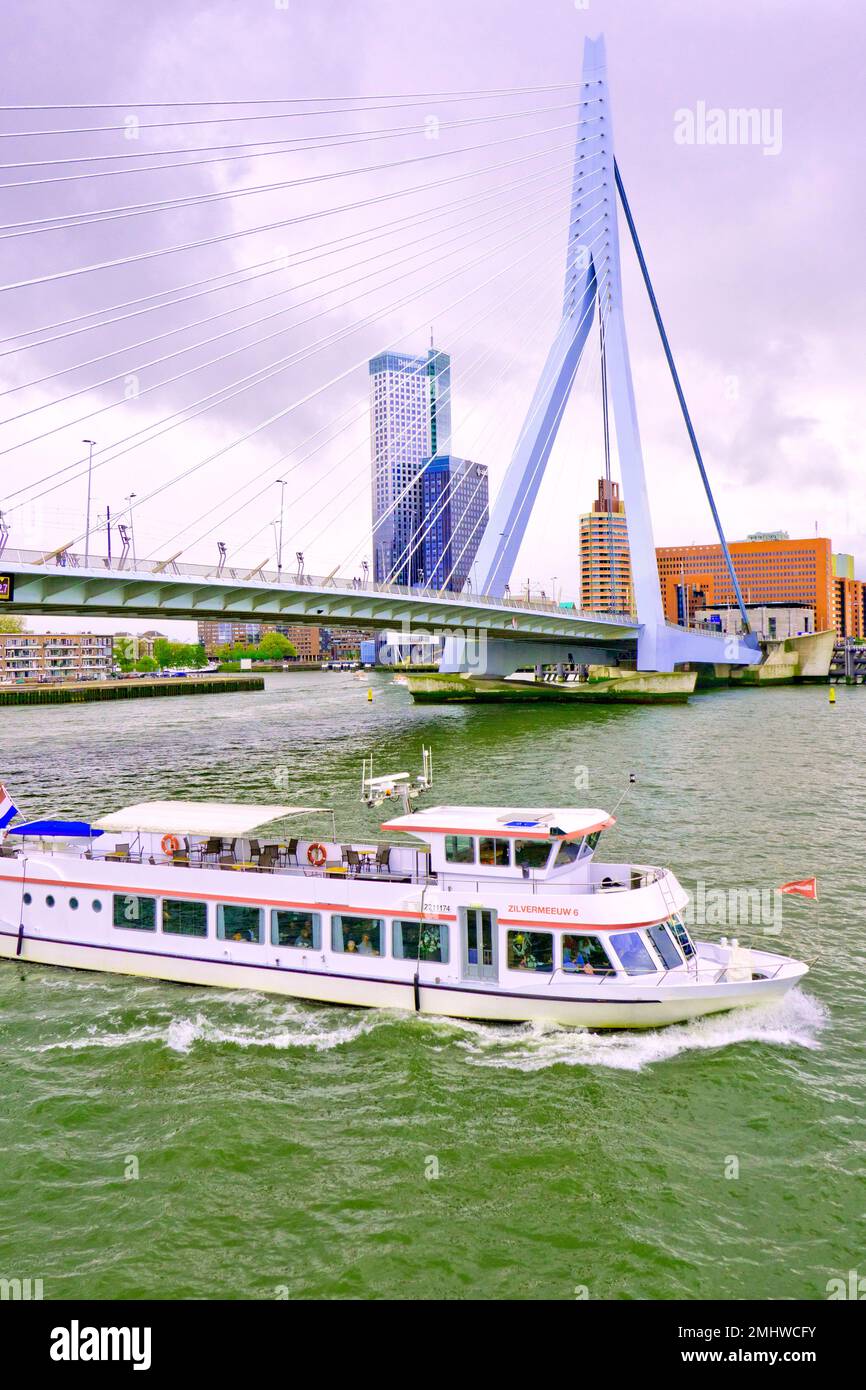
(715, 976)
(724, 974)
(634, 876)
(600, 975)
(411, 875)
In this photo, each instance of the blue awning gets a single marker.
(58, 829)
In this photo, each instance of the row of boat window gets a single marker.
(356, 935)
(366, 936)
(494, 851)
(534, 950)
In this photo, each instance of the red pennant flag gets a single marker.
(802, 887)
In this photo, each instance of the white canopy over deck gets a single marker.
(228, 818)
(565, 823)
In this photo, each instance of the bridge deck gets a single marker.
(61, 584)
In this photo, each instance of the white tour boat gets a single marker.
(477, 912)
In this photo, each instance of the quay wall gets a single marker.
(87, 691)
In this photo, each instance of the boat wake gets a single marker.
(794, 1021)
(240, 1019)
(298, 1028)
(248, 1020)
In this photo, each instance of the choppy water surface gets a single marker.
(281, 1145)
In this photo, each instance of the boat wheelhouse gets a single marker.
(477, 912)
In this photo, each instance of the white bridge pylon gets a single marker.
(593, 289)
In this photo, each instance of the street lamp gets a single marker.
(129, 501)
(282, 485)
(91, 442)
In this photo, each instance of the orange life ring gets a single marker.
(170, 844)
(317, 854)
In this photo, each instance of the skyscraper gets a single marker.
(454, 496)
(605, 562)
(410, 407)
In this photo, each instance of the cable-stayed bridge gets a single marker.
(69, 579)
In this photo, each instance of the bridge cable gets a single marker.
(214, 361)
(276, 262)
(10, 231)
(364, 408)
(300, 144)
(223, 313)
(682, 400)
(312, 394)
(421, 370)
(284, 222)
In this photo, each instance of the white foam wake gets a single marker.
(794, 1021)
(251, 1021)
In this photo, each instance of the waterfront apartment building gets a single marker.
(212, 635)
(454, 512)
(343, 643)
(136, 645)
(605, 562)
(305, 640)
(410, 422)
(695, 577)
(55, 656)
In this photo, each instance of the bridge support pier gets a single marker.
(494, 657)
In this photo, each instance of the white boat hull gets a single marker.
(601, 1006)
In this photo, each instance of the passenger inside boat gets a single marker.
(530, 950)
(585, 953)
(357, 935)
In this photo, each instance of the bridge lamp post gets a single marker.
(129, 501)
(91, 442)
(282, 486)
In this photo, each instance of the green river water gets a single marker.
(167, 1142)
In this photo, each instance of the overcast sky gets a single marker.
(755, 251)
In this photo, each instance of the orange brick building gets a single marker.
(769, 571)
(849, 599)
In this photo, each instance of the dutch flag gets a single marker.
(8, 809)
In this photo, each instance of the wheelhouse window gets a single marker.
(134, 912)
(182, 917)
(635, 958)
(586, 954)
(358, 936)
(494, 851)
(663, 942)
(531, 854)
(239, 922)
(530, 950)
(300, 930)
(420, 941)
(682, 936)
(567, 852)
(592, 840)
(459, 849)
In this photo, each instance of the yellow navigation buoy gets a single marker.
(832, 694)
(369, 692)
